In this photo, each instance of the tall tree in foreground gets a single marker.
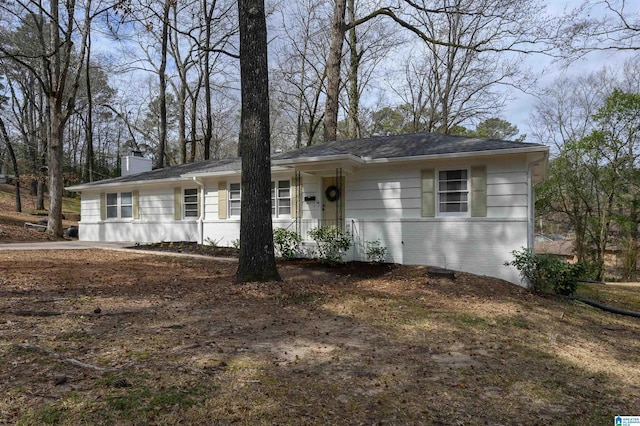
(257, 258)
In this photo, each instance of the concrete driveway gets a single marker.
(64, 245)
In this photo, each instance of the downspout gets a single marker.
(201, 215)
(531, 210)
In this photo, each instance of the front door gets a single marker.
(333, 190)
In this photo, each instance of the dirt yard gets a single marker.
(110, 337)
(100, 337)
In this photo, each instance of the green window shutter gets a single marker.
(177, 203)
(103, 206)
(478, 191)
(428, 186)
(136, 208)
(222, 200)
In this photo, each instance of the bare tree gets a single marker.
(300, 74)
(61, 31)
(369, 44)
(599, 25)
(515, 26)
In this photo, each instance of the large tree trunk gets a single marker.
(14, 161)
(194, 124)
(56, 182)
(56, 64)
(257, 257)
(208, 131)
(333, 71)
(163, 85)
(89, 125)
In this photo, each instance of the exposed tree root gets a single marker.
(71, 361)
(34, 313)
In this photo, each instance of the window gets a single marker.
(112, 205)
(453, 192)
(119, 205)
(126, 205)
(280, 198)
(190, 202)
(235, 195)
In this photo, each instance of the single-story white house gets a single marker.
(449, 201)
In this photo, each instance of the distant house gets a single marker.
(561, 248)
(448, 201)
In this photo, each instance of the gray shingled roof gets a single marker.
(175, 172)
(412, 145)
(376, 147)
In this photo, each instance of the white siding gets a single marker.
(89, 208)
(385, 204)
(394, 191)
(480, 246)
(384, 192)
(224, 231)
(210, 199)
(156, 222)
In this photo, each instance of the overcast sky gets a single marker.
(518, 111)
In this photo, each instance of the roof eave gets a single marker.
(454, 155)
(225, 173)
(83, 187)
(319, 159)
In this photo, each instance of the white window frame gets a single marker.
(277, 199)
(467, 190)
(190, 206)
(231, 200)
(119, 205)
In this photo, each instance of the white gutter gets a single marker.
(454, 155)
(201, 215)
(226, 173)
(96, 185)
(369, 160)
(321, 159)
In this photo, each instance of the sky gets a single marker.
(519, 110)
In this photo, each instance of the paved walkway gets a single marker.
(86, 245)
(64, 245)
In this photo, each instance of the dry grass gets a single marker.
(318, 348)
(619, 295)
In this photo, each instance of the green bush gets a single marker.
(287, 243)
(546, 272)
(332, 243)
(376, 252)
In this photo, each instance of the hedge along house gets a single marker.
(448, 201)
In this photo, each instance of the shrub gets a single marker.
(332, 243)
(212, 243)
(236, 244)
(287, 243)
(376, 252)
(547, 272)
